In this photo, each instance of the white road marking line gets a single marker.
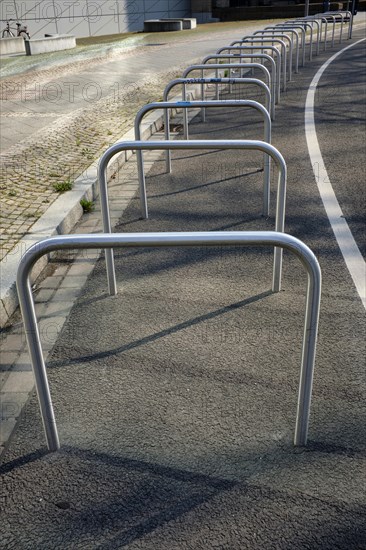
(352, 256)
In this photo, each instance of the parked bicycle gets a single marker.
(11, 32)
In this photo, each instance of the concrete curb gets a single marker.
(62, 216)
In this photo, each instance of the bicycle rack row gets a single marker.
(202, 81)
(185, 105)
(272, 40)
(120, 240)
(270, 78)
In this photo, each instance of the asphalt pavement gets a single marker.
(176, 399)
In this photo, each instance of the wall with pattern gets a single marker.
(89, 17)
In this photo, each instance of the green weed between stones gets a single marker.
(87, 206)
(63, 186)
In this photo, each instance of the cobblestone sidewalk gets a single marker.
(32, 176)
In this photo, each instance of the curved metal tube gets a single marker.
(257, 40)
(203, 81)
(295, 29)
(304, 25)
(328, 17)
(282, 36)
(185, 105)
(242, 49)
(217, 238)
(343, 14)
(191, 145)
(295, 33)
(271, 78)
(315, 22)
(324, 21)
(334, 25)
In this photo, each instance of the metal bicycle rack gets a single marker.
(244, 48)
(249, 145)
(304, 25)
(333, 18)
(273, 81)
(213, 80)
(295, 28)
(120, 240)
(185, 105)
(253, 40)
(295, 31)
(309, 21)
(202, 81)
(282, 35)
(344, 15)
(323, 21)
(277, 31)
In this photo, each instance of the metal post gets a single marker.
(168, 158)
(185, 113)
(350, 24)
(214, 238)
(203, 97)
(107, 228)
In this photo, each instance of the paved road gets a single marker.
(341, 128)
(175, 400)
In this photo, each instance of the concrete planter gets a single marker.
(12, 45)
(161, 25)
(188, 22)
(48, 44)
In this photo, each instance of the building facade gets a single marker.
(91, 17)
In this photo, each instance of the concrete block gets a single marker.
(12, 45)
(187, 22)
(50, 44)
(159, 25)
